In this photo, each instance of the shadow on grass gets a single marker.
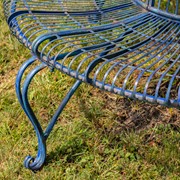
(127, 117)
(130, 114)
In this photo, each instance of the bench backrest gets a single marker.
(167, 8)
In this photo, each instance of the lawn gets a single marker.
(98, 136)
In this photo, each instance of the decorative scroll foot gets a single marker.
(30, 162)
(22, 94)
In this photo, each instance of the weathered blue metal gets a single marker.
(166, 8)
(131, 48)
(30, 162)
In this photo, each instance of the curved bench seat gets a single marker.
(127, 47)
(129, 51)
(31, 20)
(138, 57)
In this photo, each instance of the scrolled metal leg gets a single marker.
(22, 94)
(38, 161)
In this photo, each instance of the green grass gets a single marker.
(98, 136)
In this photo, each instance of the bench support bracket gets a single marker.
(22, 94)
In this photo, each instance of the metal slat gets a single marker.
(114, 45)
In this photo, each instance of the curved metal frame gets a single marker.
(156, 29)
(149, 5)
(22, 94)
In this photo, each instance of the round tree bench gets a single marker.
(131, 48)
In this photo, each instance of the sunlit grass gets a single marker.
(98, 136)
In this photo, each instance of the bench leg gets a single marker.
(22, 94)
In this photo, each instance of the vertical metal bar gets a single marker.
(167, 5)
(152, 3)
(177, 7)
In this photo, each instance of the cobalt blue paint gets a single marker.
(130, 48)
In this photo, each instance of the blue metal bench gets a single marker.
(127, 47)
